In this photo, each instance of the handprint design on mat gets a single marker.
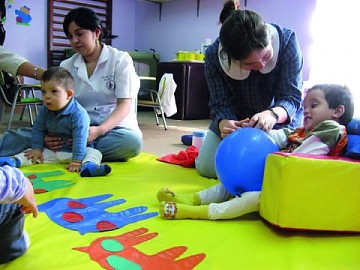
(118, 252)
(87, 215)
(41, 186)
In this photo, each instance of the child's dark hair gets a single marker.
(336, 95)
(59, 74)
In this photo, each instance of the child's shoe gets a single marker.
(10, 161)
(90, 169)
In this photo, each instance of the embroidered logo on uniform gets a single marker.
(110, 85)
(110, 81)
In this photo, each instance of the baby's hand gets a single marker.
(74, 166)
(35, 155)
(28, 200)
(242, 123)
(227, 126)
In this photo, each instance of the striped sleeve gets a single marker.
(12, 184)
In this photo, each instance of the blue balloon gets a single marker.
(240, 159)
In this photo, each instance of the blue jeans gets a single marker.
(119, 144)
(12, 241)
(15, 141)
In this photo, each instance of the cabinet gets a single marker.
(192, 94)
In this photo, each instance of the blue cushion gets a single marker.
(353, 146)
(354, 126)
(186, 139)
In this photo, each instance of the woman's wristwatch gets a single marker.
(275, 114)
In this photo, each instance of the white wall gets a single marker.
(181, 29)
(124, 24)
(28, 41)
(138, 27)
(31, 41)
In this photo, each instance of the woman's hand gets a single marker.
(53, 143)
(263, 120)
(35, 155)
(28, 200)
(228, 126)
(94, 133)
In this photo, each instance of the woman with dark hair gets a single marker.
(254, 75)
(106, 85)
(229, 7)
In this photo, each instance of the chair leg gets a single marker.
(30, 115)
(13, 107)
(2, 111)
(164, 121)
(11, 115)
(163, 117)
(22, 113)
(156, 116)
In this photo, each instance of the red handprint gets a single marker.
(118, 252)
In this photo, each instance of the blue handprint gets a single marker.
(85, 215)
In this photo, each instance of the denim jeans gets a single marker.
(119, 144)
(15, 141)
(12, 240)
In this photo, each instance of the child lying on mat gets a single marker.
(63, 116)
(15, 190)
(328, 108)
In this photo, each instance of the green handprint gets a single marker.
(41, 186)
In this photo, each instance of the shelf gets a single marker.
(160, 2)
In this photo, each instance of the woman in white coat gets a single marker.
(106, 85)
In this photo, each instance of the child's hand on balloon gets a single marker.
(229, 126)
(243, 123)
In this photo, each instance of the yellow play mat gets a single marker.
(112, 222)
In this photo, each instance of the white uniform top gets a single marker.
(114, 77)
(10, 62)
